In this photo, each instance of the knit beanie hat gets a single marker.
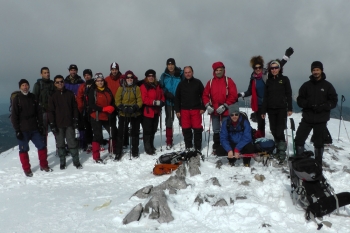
(87, 71)
(171, 61)
(317, 64)
(99, 75)
(22, 81)
(73, 67)
(233, 108)
(150, 71)
(114, 65)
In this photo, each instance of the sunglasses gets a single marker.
(234, 114)
(257, 68)
(58, 82)
(129, 77)
(274, 67)
(150, 75)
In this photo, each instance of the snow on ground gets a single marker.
(97, 198)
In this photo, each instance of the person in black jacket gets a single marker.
(189, 109)
(63, 118)
(26, 119)
(316, 98)
(277, 103)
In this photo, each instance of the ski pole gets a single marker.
(341, 112)
(205, 133)
(209, 136)
(180, 133)
(286, 128)
(110, 136)
(161, 130)
(292, 126)
(130, 133)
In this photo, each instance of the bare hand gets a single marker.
(178, 115)
(202, 111)
(236, 155)
(290, 113)
(263, 116)
(230, 154)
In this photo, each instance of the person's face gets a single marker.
(129, 80)
(45, 74)
(87, 77)
(258, 69)
(219, 72)
(24, 88)
(275, 69)
(59, 83)
(188, 73)
(72, 72)
(317, 73)
(171, 67)
(151, 78)
(100, 82)
(114, 71)
(234, 116)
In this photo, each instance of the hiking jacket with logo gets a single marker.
(149, 93)
(235, 134)
(278, 93)
(99, 99)
(215, 94)
(25, 112)
(189, 95)
(113, 82)
(170, 82)
(313, 93)
(73, 84)
(129, 98)
(63, 108)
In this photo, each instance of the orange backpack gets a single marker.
(161, 168)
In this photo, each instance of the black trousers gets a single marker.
(259, 120)
(98, 131)
(304, 130)
(277, 119)
(123, 135)
(247, 149)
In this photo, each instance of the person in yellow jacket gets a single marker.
(129, 101)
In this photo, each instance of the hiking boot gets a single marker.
(63, 166)
(28, 173)
(98, 161)
(47, 169)
(246, 165)
(78, 166)
(117, 157)
(169, 146)
(135, 155)
(231, 162)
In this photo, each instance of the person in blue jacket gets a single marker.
(169, 81)
(235, 137)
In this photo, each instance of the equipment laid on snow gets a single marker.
(311, 191)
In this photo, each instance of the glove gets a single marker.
(221, 109)
(158, 103)
(128, 110)
(241, 94)
(53, 128)
(210, 109)
(169, 96)
(135, 108)
(289, 52)
(108, 109)
(77, 134)
(19, 135)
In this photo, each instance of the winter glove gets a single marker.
(19, 135)
(77, 134)
(128, 110)
(108, 109)
(289, 52)
(135, 108)
(241, 95)
(169, 96)
(158, 103)
(221, 109)
(53, 128)
(210, 109)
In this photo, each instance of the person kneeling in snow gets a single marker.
(235, 137)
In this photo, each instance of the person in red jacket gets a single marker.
(153, 100)
(101, 103)
(219, 93)
(84, 112)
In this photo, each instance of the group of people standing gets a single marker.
(77, 111)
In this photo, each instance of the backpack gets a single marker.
(46, 90)
(12, 97)
(169, 162)
(161, 169)
(264, 145)
(310, 189)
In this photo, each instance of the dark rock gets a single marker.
(134, 214)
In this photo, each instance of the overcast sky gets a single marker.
(140, 35)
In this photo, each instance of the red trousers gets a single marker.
(191, 119)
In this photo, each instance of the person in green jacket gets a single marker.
(129, 102)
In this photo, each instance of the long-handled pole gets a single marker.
(161, 130)
(205, 133)
(341, 112)
(209, 136)
(130, 139)
(286, 128)
(292, 126)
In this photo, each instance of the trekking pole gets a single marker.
(205, 133)
(209, 136)
(341, 112)
(180, 133)
(110, 136)
(286, 128)
(130, 133)
(292, 126)
(161, 130)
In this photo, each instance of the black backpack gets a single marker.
(12, 97)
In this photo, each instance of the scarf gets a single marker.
(254, 99)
